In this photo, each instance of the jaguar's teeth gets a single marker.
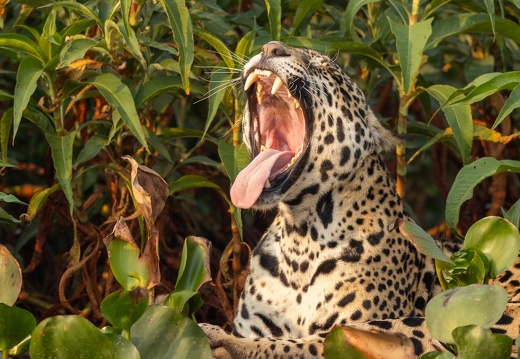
(262, 148)
(276, 85)
(289, 94)
(265, 73)
(267, 184)
(250, 80)
(296, 104)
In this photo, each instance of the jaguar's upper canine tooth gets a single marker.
(276, 85)
(250, 80)
(267, 184)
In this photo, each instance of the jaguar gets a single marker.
(329, 257)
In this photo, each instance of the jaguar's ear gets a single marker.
(384, 140)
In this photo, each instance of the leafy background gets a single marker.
(83, 84)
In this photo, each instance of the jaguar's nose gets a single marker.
(275, 48)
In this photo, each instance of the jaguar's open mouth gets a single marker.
(278, 136)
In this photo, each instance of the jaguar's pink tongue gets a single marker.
(251, 180)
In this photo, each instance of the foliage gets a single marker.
(86, 86)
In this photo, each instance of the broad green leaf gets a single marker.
(77, 27)
(123, 308)
(7, 218)
(124, 262)
(132, 45)
(476, 342)
(15, 325)
(191, 181)
(158, 145)
(459, 119)
(496, 237)
(61, 150)
(194, 269)
(274, 13)
(410, 42)
(5, 130)
(513, 214)
(10, 278)
(186, 302)
(437, 355)
(348, 342)
(470, 266)
(155, 87)
(235, 159)
(80, 7)
(163, 333)
(512, 103)
(74, 50)
(37, 201)
(118, 95)
(219, 83)
(471, 23)
(70, 337)
(421, 240)
(176, 132)
(21, 44)
(218, 45)
(125, 13)
(245, 45)
(202, 160)
(91, 149)
(40, 119)
(9, 198)
(457, 307)
(180, 22)
(486, 85)
(469, 177)
(29, 71)
(21, 348)
(305, 9)
(353, 8)
(123, 348)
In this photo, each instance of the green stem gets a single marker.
(401, 145)
(5, 354)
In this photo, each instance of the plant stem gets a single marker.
(401, 145)
(5, 354)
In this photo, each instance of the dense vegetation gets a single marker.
(84, 84)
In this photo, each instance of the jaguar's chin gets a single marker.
(278, 137)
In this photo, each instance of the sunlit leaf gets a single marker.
(37, 201)
(496, 237)
(476, 342)
(74, 50)
(410, 41)
(217, 44)
(459, 119)
(61, 149)
(186, 302)
(512, 103)
(123, 308)
(191, 181)
(274, 13)
(155, 87)
(457, 307)
(353, 8)
(180, 22)
(118, 95)
(77, 6)
(10, 278)
(219, 83)
(305, 9)
(21, 44)
(469, 177)
(194, 269)
(15, 325)
(29, 71)
(470, 266)
(513, 214)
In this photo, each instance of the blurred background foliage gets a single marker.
(84, 83)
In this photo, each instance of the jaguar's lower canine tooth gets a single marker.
(250, 80)
(276, 85)
(267, 184)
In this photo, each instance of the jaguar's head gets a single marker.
(305, 124)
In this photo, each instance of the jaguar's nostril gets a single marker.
(275, 48)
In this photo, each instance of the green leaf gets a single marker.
(176, 132)
(155, 87)
(235, 159)
(123, 308)
(91, 149)
(21, 44)
(459, 119)
(512, 102)
(77, 6)
(218, 45)
(470, 266)
(420, 239)
(5, 130)
(9, 198)
(51, 339)
(245, 45)
(123, 348)
(457, 307)
(305, 9)
(180, 23)
(191, 181)
(353, 7)
(186, 302)
(74, 50)
(118, 95)
(274, 14)
(124, 262)
(476, 342)
(410, 42)
(10, 278)
(7, 218)
(217, 89)
(29, 71)
(61, 150)
(513, 214)
(15, 325)
(437, 355)
(163, 333)
(37, 201)
(470, 176)
(125, 14)
(496, 237)
(194, 269)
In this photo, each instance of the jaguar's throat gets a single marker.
(278, 133)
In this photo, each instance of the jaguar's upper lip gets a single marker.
(278, 131)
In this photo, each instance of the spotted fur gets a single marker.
(328, 258)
